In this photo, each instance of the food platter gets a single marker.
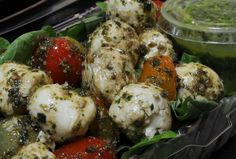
(194, 138)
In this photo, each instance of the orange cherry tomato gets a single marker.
(160, 70)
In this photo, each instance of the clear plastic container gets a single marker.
(206, 28)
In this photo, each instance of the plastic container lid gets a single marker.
(200, 20)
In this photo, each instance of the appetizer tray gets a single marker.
(195, 139)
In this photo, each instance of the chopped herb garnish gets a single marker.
(156, 63)
(41, 117)
(152, 107)
(127, 96)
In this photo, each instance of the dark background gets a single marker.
(228, 151)
(20, 16)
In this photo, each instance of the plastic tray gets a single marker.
(197, 140)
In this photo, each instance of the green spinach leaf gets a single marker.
(93, 21)
(137, 148)
(83, 28)
(3, 44)
(22, 48)
(49, 30)
(102, 6)
(189, 108)
(187, 58)
(77, 31)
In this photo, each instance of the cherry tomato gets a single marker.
(61, 58)
(86, 148)
(159, 4)
(160, 70)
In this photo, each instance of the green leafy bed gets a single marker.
(194, 118)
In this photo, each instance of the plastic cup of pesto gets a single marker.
(206, 28)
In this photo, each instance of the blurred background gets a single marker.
(18, 17)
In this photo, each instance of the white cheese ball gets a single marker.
(138, 13)
(198, 81)
(61, 112)
(17, 83)
(115, 33)
(35, 150)
(141, 111)
(156, 43)
(106, 71)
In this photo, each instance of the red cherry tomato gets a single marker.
(86, 148)
(61, 58)
(159, 4)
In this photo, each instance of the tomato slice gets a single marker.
(86, 148)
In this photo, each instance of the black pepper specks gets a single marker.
(14, 96)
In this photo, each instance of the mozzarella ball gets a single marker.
(106, 71)
(156, 43)
(198, 81)
(115, 33)
(141, 111)
(61, 112)
(35, 150)
(17, 83)
(138, 13)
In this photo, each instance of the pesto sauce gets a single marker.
(211, 12)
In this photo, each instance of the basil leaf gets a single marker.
(137, 148)
(230, 93)
(189, 108)
(77, 31)
(22, 48)
(49, 30)
(83, 28)
(3, 44)
(93, 21)
(102, 6)
(187, 58)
